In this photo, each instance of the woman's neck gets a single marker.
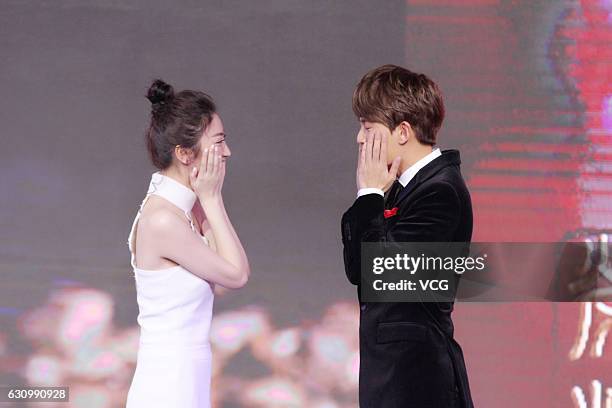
(183, 178)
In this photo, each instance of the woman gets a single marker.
(182, 243)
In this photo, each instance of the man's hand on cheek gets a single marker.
(372, 170)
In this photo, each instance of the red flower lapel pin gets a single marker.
(390, 213)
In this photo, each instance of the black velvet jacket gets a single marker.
(408, 356)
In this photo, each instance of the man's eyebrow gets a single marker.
(219, 134)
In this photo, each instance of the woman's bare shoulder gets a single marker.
(159, 216)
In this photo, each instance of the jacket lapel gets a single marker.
(449, 157)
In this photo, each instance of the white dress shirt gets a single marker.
(407, 175)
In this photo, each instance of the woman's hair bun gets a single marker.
(175, 119)
(160, 92)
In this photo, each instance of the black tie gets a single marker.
(392, 194)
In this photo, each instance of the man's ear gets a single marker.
(184, 155)
(404, 132)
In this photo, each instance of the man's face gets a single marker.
(371, 128)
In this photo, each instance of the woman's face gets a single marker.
(214, 135)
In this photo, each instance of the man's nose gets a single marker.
(360, 137)
(226, 151)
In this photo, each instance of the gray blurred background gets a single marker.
(74, 161)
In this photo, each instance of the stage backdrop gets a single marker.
(527, 87)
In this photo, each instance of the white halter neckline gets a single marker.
(179, 195)
(173, 191)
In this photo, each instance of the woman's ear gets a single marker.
(184, 155)
(404, 132)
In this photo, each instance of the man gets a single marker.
(408, 356)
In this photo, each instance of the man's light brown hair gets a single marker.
(391, 94)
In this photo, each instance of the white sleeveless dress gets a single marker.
(173, 368)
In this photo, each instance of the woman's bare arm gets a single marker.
(227, 243)
(174, 239)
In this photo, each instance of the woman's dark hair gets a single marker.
(176, 119)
